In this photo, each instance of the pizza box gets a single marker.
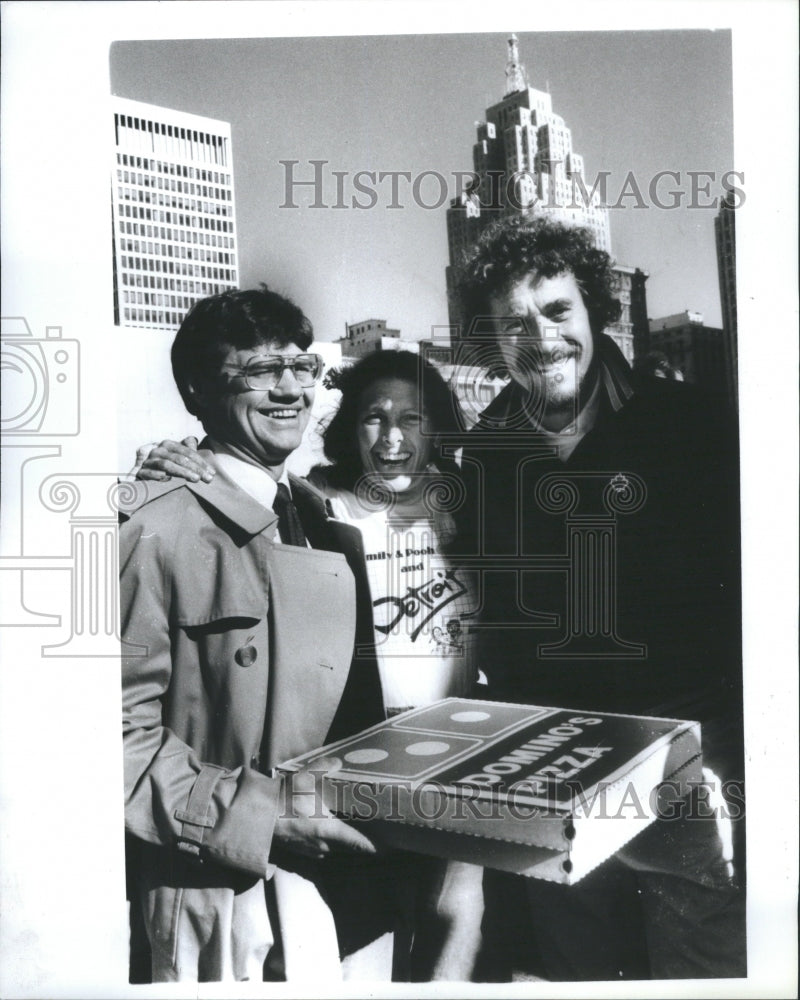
(544, 792)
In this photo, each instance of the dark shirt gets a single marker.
(630, 546)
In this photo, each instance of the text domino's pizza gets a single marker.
(545, 792)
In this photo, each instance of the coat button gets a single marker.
(246, 656)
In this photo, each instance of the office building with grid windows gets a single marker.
(174, 222)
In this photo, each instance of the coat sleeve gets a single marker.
(172, 796)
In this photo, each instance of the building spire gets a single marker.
(516, 78)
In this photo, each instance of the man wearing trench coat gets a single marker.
(238, 651)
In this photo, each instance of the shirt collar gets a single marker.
(253, 479)
(615, 373)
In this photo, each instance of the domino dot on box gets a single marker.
(369, 755)
(427, 748)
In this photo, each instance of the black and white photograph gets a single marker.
(398, 585)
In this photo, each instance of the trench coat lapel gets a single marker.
(238, 506)
(306, 680)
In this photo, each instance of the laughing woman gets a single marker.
(386, 478)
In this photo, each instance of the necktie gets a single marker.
(289, 524)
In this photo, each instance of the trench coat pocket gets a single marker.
(231, 661)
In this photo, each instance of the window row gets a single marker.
(180, 285)
(158, 318)
(175, 218)
(183, 302)
(153, 318)
(159, 280)
(169, 266)
(173, 169)
(168, 249)
(170, 184)
(171, 201)
(170, 140)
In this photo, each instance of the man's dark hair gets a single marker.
(237, 318)
(512, 247)
(435, 396)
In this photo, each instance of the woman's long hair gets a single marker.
(436, 398)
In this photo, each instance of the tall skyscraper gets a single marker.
(523, 161)
(174, 226)
(725, 233)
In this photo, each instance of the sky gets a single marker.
(635, 101)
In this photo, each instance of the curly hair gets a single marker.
(340, 436)
(518, 245)
(236, 318)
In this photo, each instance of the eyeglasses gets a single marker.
(265, 371)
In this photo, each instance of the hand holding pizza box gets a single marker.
(544, 792)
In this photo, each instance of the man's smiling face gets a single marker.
(262, 426)
(545, 340)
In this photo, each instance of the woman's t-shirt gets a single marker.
(423, 603)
